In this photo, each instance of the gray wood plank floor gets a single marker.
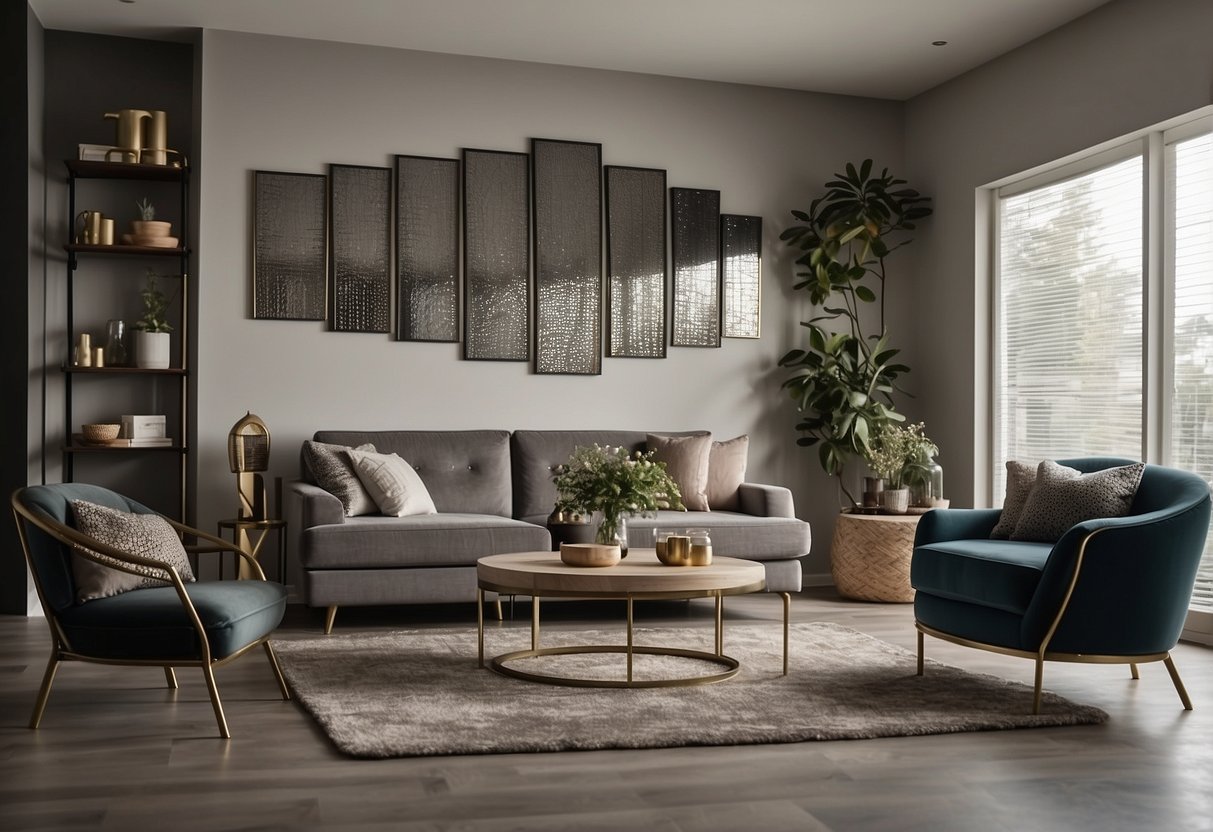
(118, 751)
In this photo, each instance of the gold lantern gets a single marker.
(248, 451)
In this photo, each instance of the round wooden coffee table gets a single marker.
(640, 576)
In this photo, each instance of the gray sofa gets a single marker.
(493, 491)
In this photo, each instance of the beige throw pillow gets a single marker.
(144, 535)
(392, 483)
(686, 460)
(1062, 498)
(726, 473)
(1020, 479)
(334, 472)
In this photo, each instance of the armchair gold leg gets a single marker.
(44, 692)
(170, 677)
(329, 617)
(1133, 670)
(920, 652)
(269, 651)
(1179, 685)
(209, 673)
(1040, 676)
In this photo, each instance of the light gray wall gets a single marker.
(1121, 68)
(293, 105)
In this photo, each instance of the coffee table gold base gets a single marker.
(731, 665)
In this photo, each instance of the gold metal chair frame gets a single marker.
(731, 666)
(1042, 654)
(85, 546)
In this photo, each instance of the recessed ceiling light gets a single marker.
(933, 43)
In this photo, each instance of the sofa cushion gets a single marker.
(445, 539)
(464, 471)
(333, 470)
(1020, 478)
(726, 472)
(686, 461)
(1062, 497)
(1002, 574)
(392, 484)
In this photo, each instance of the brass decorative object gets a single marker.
(129, 144)
(248, 451)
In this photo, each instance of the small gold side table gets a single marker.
(870, 556)
(250, 535)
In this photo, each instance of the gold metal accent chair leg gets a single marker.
(44, 692)
(787, 609)
(1179, 685)
(329, 617)
(209, 673)
(1133, 670)
(170, 677)
(273, 657)
(920, 639)
(1040, 676)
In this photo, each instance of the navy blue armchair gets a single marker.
(1112, 590)
(203, 624)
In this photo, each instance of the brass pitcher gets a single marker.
(90, 225)
(130, 133)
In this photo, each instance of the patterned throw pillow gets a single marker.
(726, 473)
(1063, 497)
(334, 472)
(686, 461)
(393, 484)
(145, 535)
(1020, 479)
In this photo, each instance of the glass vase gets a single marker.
(613, 529)
(115, 344)
(924, 476)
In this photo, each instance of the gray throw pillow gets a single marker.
(333, 471)
(1062, 497)
(144, 535)
(686, 461)
(726, 473)
(1020, 479)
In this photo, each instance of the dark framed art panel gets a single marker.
(360, 208)
(636, 264)
(695, 251)
(741, 276)
(290, 246)
(427, 249)
(496, 256)
(566, 192)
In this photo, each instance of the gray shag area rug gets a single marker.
(420, 692)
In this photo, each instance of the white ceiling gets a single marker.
(878, 48)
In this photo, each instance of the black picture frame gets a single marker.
(496, 255)
(695, 253)
(360, 248)
(290, 246)
(740, 276)
(637, 271)
(566, 215)
(427, 248)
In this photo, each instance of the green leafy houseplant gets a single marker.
(616, 483)
(147, 211)
(895, 451)
(843, 381)
(155, 306)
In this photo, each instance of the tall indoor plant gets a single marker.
(843, 380)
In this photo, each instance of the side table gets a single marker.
(250, 535)
(870, 556)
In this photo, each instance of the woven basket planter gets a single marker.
(870, 557)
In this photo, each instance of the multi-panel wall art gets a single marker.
(496, 256)
(695, 249)
(636, 270)
(567, 193)
(290, 252)
(427, 249)
(361, 211)
(741, 275)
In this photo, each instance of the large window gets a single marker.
(1103, 310)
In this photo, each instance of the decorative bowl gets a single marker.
(100, 433)
(590, 554)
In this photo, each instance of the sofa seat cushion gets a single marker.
(153, 624)
(445, 539)
(1001, 574)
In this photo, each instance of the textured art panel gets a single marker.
(496, 256)
(567, 187)
(290, 252)
(427, 249)
(741, 275)
(636, 266)
(695, 248)
(361, 210)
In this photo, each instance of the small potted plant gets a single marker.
(898, 455)
(152, 330)
(147, 230)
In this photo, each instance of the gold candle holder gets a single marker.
(677, 550)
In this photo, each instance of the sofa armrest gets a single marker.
(766, 500)
(310, 505)
(956, 524)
